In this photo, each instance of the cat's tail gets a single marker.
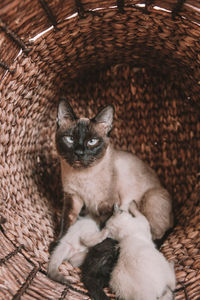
(95, 290)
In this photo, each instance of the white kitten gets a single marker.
(142, 272)
(70, 247)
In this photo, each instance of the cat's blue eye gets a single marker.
(92, 142)
(69, 139)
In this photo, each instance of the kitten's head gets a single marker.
(82, 142)
(119, 223)
(124, 223)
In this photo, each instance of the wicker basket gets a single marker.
(143, 58)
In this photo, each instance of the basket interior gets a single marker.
(147, 65)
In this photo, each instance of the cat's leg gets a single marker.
(66, 209)
(90, 241)
(156, 206)
(70, 211)
(64, 221)
(58, 255)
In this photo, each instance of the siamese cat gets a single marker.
(70, 247)
(141, 272)
(96, 175)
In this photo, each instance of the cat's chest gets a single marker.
(92, 189)
(88, 186)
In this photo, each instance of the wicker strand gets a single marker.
(49, 13)
(120, 5)
(148, 3)
(184, 289)
(27, 283)
(6, 67)
(11, 254)
(12, 35)
(177, 8)
(66, 289)
(2, 221)
(80, 9)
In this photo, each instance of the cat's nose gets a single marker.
(79, 152)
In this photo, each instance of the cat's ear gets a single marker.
(105, 117)
(65, 111)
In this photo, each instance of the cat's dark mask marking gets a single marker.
(81, 141)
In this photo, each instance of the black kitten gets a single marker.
(97, 267)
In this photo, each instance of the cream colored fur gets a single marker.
(70, 247)
(117, 178)
(142, 272)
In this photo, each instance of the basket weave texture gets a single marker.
(144, 59)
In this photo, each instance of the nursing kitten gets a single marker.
(97, 267)
(141, 272)
(96, 175)
(70, 247)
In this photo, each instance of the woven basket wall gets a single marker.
(143, 59)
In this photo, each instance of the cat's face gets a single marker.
(82, 142)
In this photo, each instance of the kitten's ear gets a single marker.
(65, 111)
(105, 117)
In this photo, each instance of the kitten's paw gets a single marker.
(57, 276)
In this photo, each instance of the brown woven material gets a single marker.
(144, 60)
